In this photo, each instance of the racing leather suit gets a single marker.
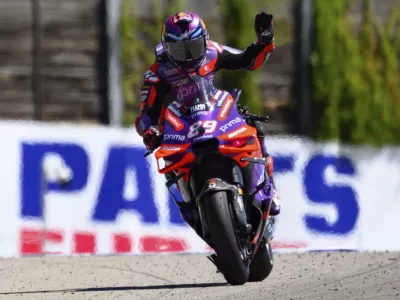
(163, 80)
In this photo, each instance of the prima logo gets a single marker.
(174, 137)
(231, 123)
(186, 91)
(199, 113)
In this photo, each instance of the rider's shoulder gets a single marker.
(214, 46)
(221, 48)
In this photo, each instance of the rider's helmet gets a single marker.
(184, 37)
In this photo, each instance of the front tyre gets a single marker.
(262, 263)
(223, 234)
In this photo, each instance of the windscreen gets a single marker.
(200, 92)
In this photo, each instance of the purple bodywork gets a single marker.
(208, 116)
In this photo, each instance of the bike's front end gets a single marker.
(214, 157)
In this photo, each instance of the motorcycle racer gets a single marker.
(185, 48)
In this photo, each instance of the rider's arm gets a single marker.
(252, 58)
(152, 94)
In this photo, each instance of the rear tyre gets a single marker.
(223, 234)
(262, 263)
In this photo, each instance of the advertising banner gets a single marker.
(333, 197)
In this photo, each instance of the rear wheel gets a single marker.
(262, 263)
(223, 234)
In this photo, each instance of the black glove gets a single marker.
(152, 138)
(244, 112)
(264, 27)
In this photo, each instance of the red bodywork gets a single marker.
(243, 144)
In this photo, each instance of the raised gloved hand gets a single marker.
(264, 27)
(152, 138)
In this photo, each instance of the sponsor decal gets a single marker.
(262, 177)
(182, 16)
(171, 148)
(150, 76)
(145, 91)
(237, 132)
(199, 113)
(226, 108)
(170, 72)
(174, 137)
(175, 111)
(212, 183)
(198, 107)
(217, 94)
(207, 136)
(220, 101)
(142, 126)
(143, 95)
(180, 82)
(231, 123)
(186, 91)
(210, 79)
(174, 121)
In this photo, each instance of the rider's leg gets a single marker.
(187, 209)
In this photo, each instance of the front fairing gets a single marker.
(210, 115)
(202, 121)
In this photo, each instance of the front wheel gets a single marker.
(262, 263)
(220, 221)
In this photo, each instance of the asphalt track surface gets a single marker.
(336, 275)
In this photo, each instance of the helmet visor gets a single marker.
(186, 50)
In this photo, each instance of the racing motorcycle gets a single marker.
(211, 154)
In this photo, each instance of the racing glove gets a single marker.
(152, 138)
(264, 27)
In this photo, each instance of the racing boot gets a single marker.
(276, 201)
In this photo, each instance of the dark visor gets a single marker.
(186, 50)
